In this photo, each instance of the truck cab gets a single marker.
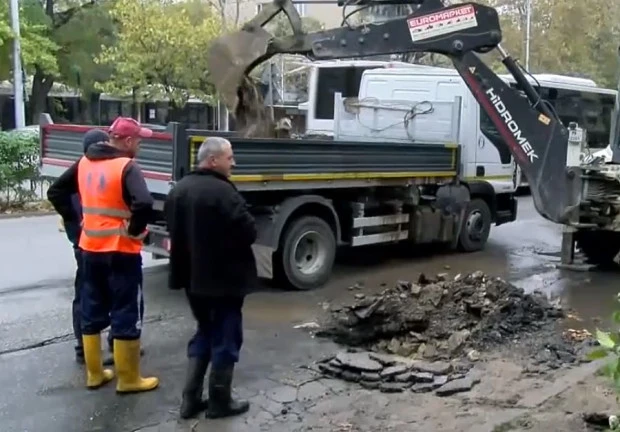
(326, 78)
(487, 165)
(485, 157)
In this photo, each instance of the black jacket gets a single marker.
(135, 192)
(211, 234)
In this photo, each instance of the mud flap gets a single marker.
(264, 260)
(453, 200)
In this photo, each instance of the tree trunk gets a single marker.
(41, 86)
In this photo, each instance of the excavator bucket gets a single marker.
(232, 56)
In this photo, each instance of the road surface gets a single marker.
(43, 388)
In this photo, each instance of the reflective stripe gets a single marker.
(106, 212)
(112, 232)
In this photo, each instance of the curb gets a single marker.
(5, 216)
(535, 398)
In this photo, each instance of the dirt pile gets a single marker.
(252, 116)
(442, 318)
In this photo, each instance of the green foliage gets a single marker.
(81, 38)
(36, 45)
(19, 154)
(568, 37)
(160, 50)
(610, 347)
(280, 25)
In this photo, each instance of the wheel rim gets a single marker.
(309, 253)
(475, 225)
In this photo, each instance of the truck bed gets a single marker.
(269, 164)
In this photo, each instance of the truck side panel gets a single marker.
(62, 145)
(261, 160)
(333, 159)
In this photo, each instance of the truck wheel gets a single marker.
(308, 252)
(476, 226)
(599, 247)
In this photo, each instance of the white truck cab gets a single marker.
(484, 156)
(326, 78)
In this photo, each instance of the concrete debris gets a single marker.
(309, 325)
(458, 386)
(358, 361)
(442, 318)
(402, 374)
(424, 336)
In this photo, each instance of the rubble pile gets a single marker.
(441, 319)
(393, 374)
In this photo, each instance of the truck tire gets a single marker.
(476, 226)
(307, 253)
(598, 247)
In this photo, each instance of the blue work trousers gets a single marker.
(219, 334)
(112, 294)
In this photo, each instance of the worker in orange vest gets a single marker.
(116, 207)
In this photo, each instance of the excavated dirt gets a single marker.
(252, 116)
(441, 319)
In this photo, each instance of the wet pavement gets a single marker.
(43, 387)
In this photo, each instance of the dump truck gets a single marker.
(310, 197)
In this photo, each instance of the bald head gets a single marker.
(216, 154)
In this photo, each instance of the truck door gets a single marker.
(494, 163)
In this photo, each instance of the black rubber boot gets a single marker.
(221, 403)
(193, 403)
(79, 355)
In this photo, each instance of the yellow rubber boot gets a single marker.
(96, 375)
(127, 362)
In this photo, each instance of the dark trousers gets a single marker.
(112, 294)
(75, 306)
(77, 298)
(219, 334)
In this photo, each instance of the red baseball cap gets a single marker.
(127, 127)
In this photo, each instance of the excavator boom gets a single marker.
(535, 136)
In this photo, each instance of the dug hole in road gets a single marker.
(380, 348)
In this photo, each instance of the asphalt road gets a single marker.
(43, 387)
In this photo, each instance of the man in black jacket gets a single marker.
(73, 229)
(116, 207)
(211, 233)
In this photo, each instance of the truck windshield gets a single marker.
(332, 80)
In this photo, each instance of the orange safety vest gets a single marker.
(105, 214)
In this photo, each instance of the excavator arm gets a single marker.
(535, 136)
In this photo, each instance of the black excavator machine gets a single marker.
(585, 198)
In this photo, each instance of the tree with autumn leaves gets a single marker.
(160, 50)
(150, 48)
(569, 37)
